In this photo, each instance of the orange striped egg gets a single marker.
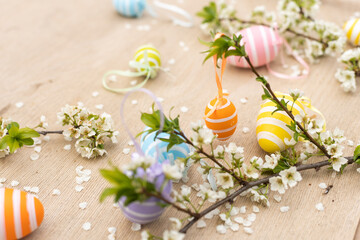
(20, 214)
(223, 120)
(271, 127)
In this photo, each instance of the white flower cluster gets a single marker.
(202, 135)
(88, 128)
(172, 234)
(332, 142)
(3, 131)
(287, 178)
(351, 58)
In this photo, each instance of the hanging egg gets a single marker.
(149, 210)
(20, 214)
(223, 120)
(352, 30)
(262, 44)
(271, 129)
(153, 56)
(150, 146)
(130, 8)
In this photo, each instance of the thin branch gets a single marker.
(159, 196)
(265, 180)
(212, 158)
(50, 132)
(268, 87)
(267, 25)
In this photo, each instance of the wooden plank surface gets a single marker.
(55, 52)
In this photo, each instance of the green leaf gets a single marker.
(13, 130)
(4, 142)
(13, 144)
(357, 154)
(266, 94)
(27, 133)
(107, 192)
(150, 120)
(261, 79)
(27, 141)
(8, 127)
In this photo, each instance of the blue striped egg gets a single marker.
(147, 211)
(130, 8)
(150, 146)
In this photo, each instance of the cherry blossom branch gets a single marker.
(288, 112)
(212, 158)
(50, 132)
(265, 180)
(159, 196)
(267, 25)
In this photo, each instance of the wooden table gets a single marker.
(55, 53)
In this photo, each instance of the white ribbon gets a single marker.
(174, 9)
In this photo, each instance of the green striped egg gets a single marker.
(271, 129)
(153, 56)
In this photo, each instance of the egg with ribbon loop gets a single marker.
(20, 214)
(271, 129)
(223, 119)
(262, 44)
(130, 8)
(352, 31)
(149, 210)
(152, 146)
(147, 58)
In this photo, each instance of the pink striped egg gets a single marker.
(20, 214)
(262, 44)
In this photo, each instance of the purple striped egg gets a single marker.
(149, 210)
(262, 44)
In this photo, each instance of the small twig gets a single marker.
(212, 158)
(50, 132)
(327, 190)
(268, 87)
(159, 196)
(252, 184)
(267, 25)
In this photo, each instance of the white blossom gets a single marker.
(290, 176)
(173, 235)
(272, 160)
(277, 184)
(336, 163)
(225, 180)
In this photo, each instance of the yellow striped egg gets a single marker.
(352, 30)
(271, 129)
(153, 57)
(20, 213)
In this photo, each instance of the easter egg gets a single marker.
(271, 129)
(147, 211)
(352, 30)
(158, 149)
(223, 120)
(153, 56)
(20, 214)
(262, 44)
(130, 8)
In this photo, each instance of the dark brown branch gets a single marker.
(265, 180)
(159, 196)
(212, 158)
(50, 132)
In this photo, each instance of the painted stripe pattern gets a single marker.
(130, 8)
(153, 56)
(271, 129)
(352, 30)
(158, 149)
(261, 43)
(223, 120)
(20, 214)
(144, 212)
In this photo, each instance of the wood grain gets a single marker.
(55, 52)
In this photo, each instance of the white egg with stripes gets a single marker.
(271, 127)
(352, 31)
(262, 44)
